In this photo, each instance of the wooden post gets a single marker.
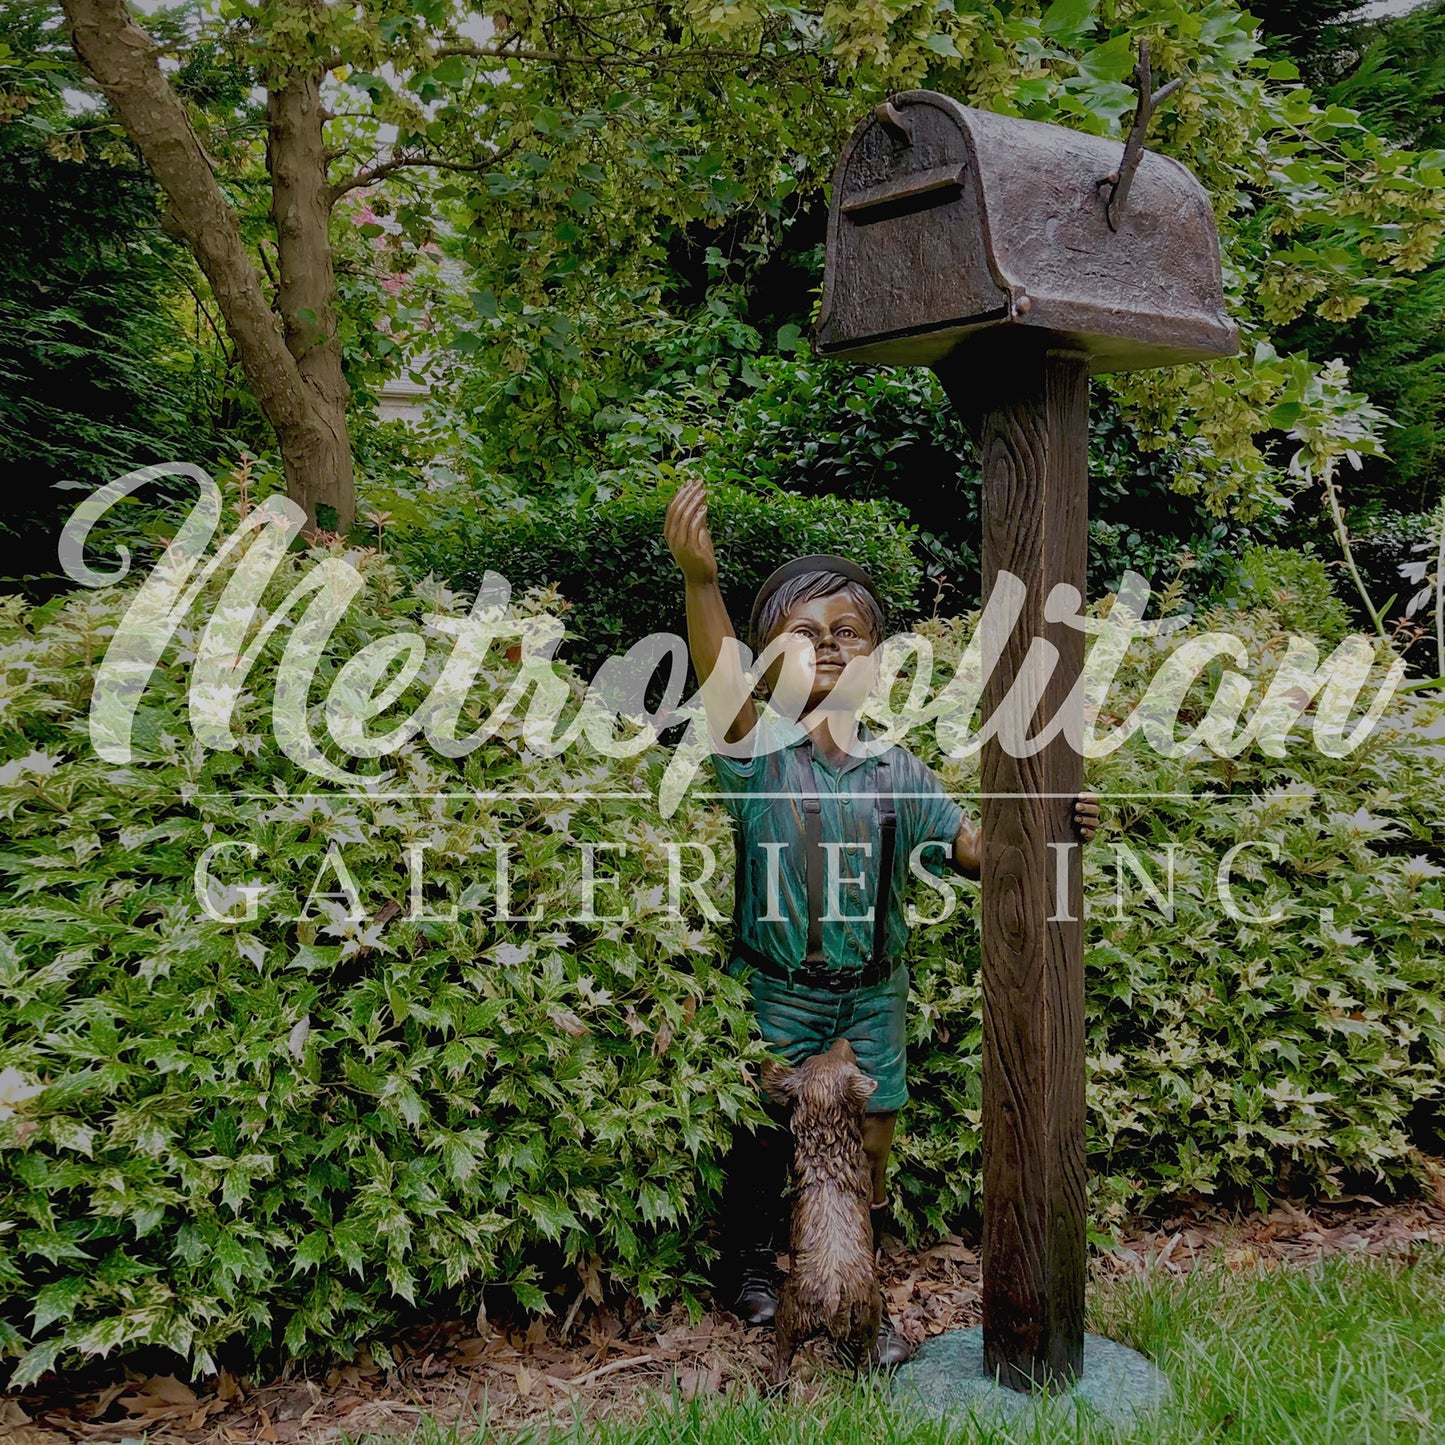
(1014, 258)
(1031, 414)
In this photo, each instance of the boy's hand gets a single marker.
(968, 845)
(687, 536)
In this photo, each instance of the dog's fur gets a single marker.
(832, 1285)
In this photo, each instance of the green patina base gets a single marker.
(946, 1378)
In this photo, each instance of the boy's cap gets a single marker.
(816, 562)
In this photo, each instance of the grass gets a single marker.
(1349, 1352)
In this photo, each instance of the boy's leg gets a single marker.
(877, 1141)
(874, 1021)
(893, 1348)
(755, 1189)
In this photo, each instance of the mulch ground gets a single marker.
(593, 1365)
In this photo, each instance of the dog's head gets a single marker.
(828, 1084)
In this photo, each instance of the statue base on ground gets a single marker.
(946, 1379)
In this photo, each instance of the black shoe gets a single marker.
(754, 1207)
(757, 1297)
(889, 1350)
(892, 1349)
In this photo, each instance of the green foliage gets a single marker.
(1317, 212)
(95, 375)
(1392, 71)
(1315, 34)
(770, 426)
(576, 163)
(607, 559)
(829, 428)
(1294, 586)
(545, 397)
(283, 1133)
(1396, 352)
(1387, 545)
(1395, 74)
(1224, 1056)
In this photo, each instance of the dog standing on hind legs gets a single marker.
(832, 1286)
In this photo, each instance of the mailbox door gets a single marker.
(906, 229)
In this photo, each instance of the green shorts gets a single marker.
(797, 1021)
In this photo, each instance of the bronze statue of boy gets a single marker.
(810, 803)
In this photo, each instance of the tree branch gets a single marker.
(1150, 99)
(636, 60)
(122, 60)
(616, 58)
(267, 267)
(299, 396)
(369, 175)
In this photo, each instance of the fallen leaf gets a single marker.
(952, 1250)
(1161, 1260)
(160, 1397)
(1436, 1172)
(568, 1022)
(590, 1272)
(32, 1435)
(698, 1380)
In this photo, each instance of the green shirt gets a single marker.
(762, 793)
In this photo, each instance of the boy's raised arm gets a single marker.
(710, 635)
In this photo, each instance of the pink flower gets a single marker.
(395, 281)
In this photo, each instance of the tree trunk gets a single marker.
(307, 411)
(306, 297)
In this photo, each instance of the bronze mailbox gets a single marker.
(954, 225)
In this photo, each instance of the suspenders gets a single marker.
(812, 850)
(887, 831)
(813, 958)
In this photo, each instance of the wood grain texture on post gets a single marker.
(1033, 430)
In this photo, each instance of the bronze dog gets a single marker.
(832, 1286)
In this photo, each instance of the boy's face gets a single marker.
(820, 639)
